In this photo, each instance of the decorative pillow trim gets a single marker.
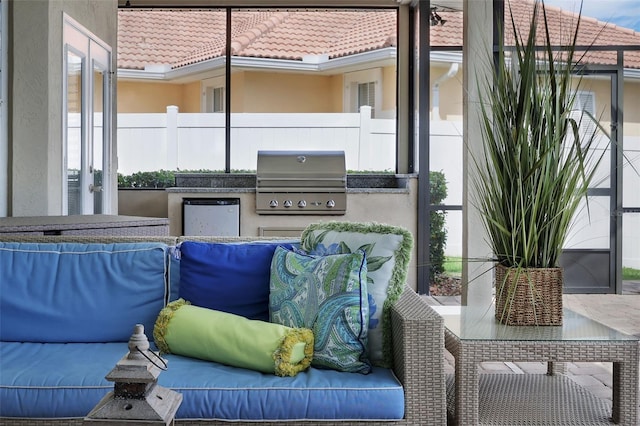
(398, 274)
(162, 324)
(284, 353)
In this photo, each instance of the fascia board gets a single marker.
(260, 63)
(344, 62)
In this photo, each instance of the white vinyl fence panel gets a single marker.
(142, 143)
(182, 141)
(179, 141)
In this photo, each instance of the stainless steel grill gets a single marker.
(293, 182)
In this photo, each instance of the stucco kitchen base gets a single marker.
(394, 206)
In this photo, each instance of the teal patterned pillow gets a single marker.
(327, 294)
(388, 251)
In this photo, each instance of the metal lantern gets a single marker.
(137, 399)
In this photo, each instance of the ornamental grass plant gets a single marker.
(537, 163)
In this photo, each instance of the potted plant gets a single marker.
(535, 171)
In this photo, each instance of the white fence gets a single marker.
(173, 141)
(183, 141)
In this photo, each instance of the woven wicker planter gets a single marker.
(515, 300)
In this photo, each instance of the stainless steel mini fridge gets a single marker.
(211, 216)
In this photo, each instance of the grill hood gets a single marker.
(301, 182)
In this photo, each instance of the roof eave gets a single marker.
(194, 70)
(343, 64)
(631, 73)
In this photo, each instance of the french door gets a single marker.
(87, 117)
(592, 255)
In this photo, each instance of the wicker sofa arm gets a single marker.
(418, 351)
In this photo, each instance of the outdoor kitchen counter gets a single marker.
(396, 205)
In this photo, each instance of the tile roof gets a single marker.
(591, 32)
(182, 37)
(185, 37)
(149, 36)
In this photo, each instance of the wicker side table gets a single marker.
(474, 336)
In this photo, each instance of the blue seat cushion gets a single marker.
(68, 381)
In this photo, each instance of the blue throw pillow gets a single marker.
(228, 277)
(388, 251)
(327, 294)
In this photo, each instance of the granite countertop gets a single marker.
(195, 190)
(242, 183)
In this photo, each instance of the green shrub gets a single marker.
(438, 192)
(157, 179)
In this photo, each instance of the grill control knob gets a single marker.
(302, 204)
(287, 203)
(273, 204)
(331, 204)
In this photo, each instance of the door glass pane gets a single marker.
(631, 248)
(171, 93)
(591, 226)
(291, 86)
(630, 190)
(97, 166)
(74, 131)
(319, 79)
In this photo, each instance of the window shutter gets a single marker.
(585, 102)
(367, 96)
(214, 99)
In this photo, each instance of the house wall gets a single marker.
(286, 92)
(155, 97)
(632, 108)
(35, 126)
(191, 99)
(253, 91)
(450, 99)
(149, 97)
(389, 89)
(237, 96)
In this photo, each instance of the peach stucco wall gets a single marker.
(388, 88)
(451, 99)
(289, 92)
(253, 91)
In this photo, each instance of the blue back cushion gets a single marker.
(76, 293)
(228, 277)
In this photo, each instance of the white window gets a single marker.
(585, 102)
(213, 95)
(363, 88)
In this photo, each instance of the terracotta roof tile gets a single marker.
(187, 36)
(591, 32)
(166, 36)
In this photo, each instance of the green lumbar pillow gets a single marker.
(196, 332)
